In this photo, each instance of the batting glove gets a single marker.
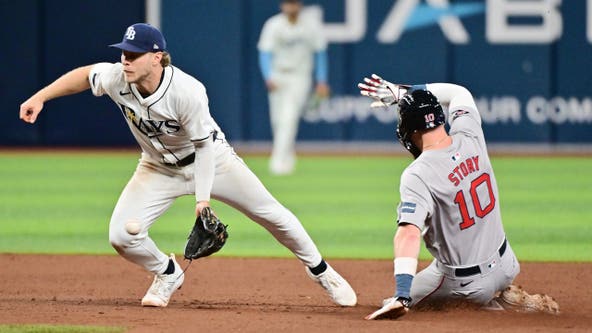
(392, 308)
(382, 91)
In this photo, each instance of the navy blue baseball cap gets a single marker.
(142, 38)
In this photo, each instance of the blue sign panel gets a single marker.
(527, 63)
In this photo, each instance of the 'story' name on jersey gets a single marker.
(464, 169)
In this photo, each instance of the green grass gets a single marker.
(61, 203)
(58, 329)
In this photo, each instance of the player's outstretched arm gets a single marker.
(406, 245)
(452, 95)
(70, 83)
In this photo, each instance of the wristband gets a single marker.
(405, 269)
(403, 285)
(405, 265)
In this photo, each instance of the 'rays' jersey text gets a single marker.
(167, 123)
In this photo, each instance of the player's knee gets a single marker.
(126, 235)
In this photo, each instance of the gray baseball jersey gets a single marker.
(451, 195)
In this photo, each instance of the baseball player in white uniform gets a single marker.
(291, 44)
(183, 152)
(449, 196)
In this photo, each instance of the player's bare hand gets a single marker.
(322, 90)
(392, 308)
(201, 205)
(382, 91)
(271, 86)
(30, 109)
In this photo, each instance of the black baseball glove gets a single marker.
(207, 236)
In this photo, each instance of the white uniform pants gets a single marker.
(286, 105)
(438, 284)
(153, 188)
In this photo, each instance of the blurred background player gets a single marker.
(290, 46)
(449, 195)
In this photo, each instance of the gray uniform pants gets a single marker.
(438, 283)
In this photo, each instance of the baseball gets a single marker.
(133, 227)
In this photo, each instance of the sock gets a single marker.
(320, 268)
(171, 267)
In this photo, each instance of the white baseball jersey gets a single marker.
(165, 123)
(168, 123)
(451, 194)
(292, 45)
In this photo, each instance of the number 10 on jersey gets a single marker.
(480, 211)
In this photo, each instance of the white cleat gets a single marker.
(163, 287)
(338, 289)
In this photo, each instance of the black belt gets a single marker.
(185, 161)
(468, 271)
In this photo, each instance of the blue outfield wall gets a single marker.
(50, 38)
(529, 71)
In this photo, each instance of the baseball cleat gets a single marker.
(338, 289)
(163, 287)
(517, 299)
(392, 308)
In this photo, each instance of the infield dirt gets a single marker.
(260, 295)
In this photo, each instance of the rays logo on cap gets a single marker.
(130, 34)
(142, 38)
